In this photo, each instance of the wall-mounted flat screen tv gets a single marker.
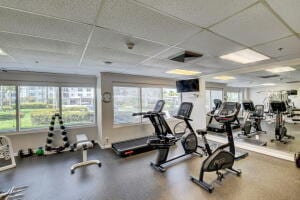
(190, 85)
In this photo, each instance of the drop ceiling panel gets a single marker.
(164, 64)
(131, 18)
(99, 55)
(171, 52)
(288, 10)
(289, 45)
(253, 26)
(113, 40)
(12, 66)
(77, 10)
(6, 59)
(38, 44)
(150, 71)
(209, 43)
(217, 63)
(40, 26)
(200, 12)
(44, 58)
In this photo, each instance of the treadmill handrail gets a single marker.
(182, 117)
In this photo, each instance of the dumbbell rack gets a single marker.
(6, 152)
(49, 142)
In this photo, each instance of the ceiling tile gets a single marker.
(289, 45)
(40, 26)
(100, 55)
(117, 41)
(217, 63)
(38, 44)
(138, 21)
(200, 12)
(6, 59)
(77, 10)
(164, 64)
(12, 66)
(44, 58)
(253, 26)
(209, 43)
(288, 10)
(169, 53)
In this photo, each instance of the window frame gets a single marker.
(16, 109)
(140, 86)
(17, 84)
(214, 89)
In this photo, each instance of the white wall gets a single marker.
(199, 112)
(259, 94)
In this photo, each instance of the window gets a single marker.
(126, 101)
(37, 105)
(7, 108)
(172, 99)
(211, 95)
(233, 96)
(78, 108)
(149, 98)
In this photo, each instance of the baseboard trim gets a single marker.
(258, 149)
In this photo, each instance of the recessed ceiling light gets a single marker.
(280, 69)
(224, 78)
(183, 72)
(2, 53)
(245, 56)
(268, 84)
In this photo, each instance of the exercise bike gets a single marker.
(218, 127)
(166, 138)
(278, 108)
(220, 158)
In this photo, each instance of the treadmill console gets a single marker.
(278, 106)
(248, 105)
(185, 109)
(159, 106)
(228, 112)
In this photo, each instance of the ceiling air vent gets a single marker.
(270, 76)
(293, 82)
(185, 56)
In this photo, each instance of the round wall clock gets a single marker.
(106, 97)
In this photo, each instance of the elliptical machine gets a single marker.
(166, 138)
(278, 108)
(220, 158)
(253, 118)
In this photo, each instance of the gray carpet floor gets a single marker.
(49, 178)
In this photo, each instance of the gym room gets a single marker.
(149, 99)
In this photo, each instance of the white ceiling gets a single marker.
(78, 36)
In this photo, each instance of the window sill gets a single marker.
(143, 123)
(45, 130)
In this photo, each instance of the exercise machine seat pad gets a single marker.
(83, 142)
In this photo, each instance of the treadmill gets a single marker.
(137, 145)
(218, 127)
